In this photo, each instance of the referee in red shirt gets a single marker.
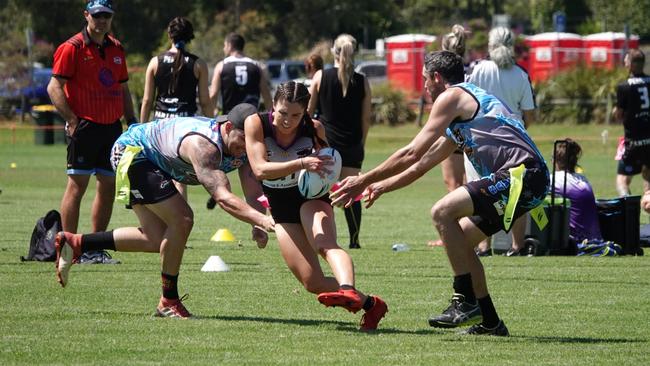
(89, 89)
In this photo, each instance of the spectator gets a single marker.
(633, 110)
(174, 77)
(89, 89)
(343, 98)
(195, 151)
(502, 77)
(279, 145)
(313, 63)
(583, 214)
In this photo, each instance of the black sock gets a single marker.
(346, 287)
(490, 317)
(463, 286)
(353, 218)
(169, 286)
(97, 241)
(369, 303)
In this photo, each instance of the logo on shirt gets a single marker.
(117, 60)
(106, 77)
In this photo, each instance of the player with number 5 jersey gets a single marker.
(238, 78)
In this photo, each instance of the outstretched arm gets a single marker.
(436, 154)
(205, 158)
(445, 109)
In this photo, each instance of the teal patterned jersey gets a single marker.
(160, 142)
(494, 138)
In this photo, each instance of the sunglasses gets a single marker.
(102, 15)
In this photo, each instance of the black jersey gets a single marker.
(240, 82)
(341, 115)
(180, 102)
(633, 97)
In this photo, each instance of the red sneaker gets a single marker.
(68, 250)
(349, 299)
(172, 308)
(371, 318)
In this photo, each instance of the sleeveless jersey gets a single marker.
(493, 139)
(302, 146)
(182, 101)
(633, 97)
(240, 82)
(161, 140)
(341, 115)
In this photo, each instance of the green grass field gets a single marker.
(560, 310)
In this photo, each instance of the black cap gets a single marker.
(238, 115)
(99, 6)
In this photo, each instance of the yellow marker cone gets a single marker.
(223, 235)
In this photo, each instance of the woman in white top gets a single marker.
(502, 77)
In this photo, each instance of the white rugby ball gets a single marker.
(311, 185)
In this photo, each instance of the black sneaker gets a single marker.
(355, 246)
(500, 330)
(211, 204)
(457, 314)
(97, 257)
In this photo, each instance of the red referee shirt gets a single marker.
(94, 75)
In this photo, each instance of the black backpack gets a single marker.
(41, 246)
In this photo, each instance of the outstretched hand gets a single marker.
(260, 236)
(348, 190)
(372, 193)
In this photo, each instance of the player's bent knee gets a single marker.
(441, 212)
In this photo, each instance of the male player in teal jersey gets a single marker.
(466, 117)
(147, 158)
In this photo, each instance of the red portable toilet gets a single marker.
(606, 49)
(404, 61)
(552, 52)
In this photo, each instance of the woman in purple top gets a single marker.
(583, 215)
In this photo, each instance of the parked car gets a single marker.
(35, 93)
(280, 71)
(375, 71)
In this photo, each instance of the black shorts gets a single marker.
(89, 148)
(634, 158)
(351, 156)
(490, 197)
(149, 184)
(285, 204)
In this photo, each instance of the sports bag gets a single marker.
(41, 245)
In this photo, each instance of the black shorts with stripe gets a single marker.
(490, 196)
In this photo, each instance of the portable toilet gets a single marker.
(606, 49)
(552, 52)
(404, 61)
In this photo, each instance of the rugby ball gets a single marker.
(311, 185)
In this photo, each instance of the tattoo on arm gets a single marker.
(206, 160)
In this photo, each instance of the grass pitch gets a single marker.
(560, 310)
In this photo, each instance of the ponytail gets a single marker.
(501, 44)
(343, 49)
(181, 32)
